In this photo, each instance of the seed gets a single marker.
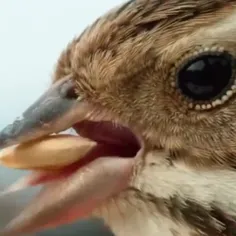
(51, 152)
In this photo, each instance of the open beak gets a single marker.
(77, 187)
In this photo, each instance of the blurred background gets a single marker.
(32, 36)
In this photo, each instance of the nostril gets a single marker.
(67, 89)
(71, 94)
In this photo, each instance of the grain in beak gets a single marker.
(51, 152)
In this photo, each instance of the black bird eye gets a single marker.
(207, 77)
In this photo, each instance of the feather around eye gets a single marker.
(205, 78)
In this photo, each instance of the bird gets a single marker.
(154, 83)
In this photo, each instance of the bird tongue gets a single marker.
(107, 132)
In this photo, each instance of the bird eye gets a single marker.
(206, 77)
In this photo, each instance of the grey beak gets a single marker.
(47, 115)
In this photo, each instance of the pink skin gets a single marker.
(106, 132)
(74, 196)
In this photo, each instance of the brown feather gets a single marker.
(125, 62)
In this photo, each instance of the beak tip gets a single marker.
(37, 120)
(7, 135)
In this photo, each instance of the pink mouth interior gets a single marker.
(113, 141)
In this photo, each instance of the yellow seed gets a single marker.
(51, 152)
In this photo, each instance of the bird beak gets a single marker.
(53, 112)
(75, 196)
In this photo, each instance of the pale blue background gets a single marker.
(32, 35)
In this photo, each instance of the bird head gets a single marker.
(154, 83)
